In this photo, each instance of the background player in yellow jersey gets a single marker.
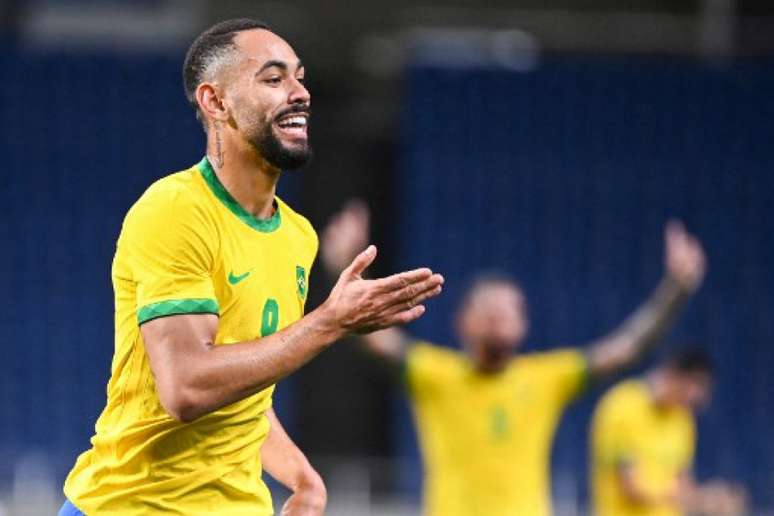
(485, 418)
(643, 440)
(210, 277)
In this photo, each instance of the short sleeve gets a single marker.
(168, 249)
(566, 370)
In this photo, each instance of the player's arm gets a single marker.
(685, 266)
(346, 233)
(287, 464)
(194, 377)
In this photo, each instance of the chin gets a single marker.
(494, 367)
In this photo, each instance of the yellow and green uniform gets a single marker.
(486, 438)
(187, 247)
(629, 429)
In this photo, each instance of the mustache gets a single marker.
(297, 108)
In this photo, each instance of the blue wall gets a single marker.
(565, 176)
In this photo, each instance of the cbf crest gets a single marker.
(301, 281)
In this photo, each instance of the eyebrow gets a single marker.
(279, 64)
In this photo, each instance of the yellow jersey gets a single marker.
(658, 442)
(187, 247)
(486, 438)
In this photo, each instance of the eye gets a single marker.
(276, 79)
(302, 80)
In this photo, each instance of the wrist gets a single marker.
(326, 324)
(676, 287)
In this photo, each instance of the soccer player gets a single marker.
(210, 277)
(643, 438)
(486, 418)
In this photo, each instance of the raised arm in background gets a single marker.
(684, 264)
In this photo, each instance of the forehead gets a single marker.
(497, 293)
(261, 45)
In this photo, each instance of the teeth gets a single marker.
(298, 121)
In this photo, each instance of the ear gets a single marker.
(210, 101)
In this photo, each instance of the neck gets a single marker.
(250, 180)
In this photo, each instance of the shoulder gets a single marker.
(429, 350)
(552, 360)
(174, 210)
(177, 194)
(429, 370)
(687, 422)
(627, 396)
(297, 222)
(424, 356)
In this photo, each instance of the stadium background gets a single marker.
(550, 139)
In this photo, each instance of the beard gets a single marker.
(277, 154)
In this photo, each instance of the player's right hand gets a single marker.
(684, 257)
(359, 305)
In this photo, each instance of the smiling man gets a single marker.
(210, 279)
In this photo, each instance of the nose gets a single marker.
(298, 93)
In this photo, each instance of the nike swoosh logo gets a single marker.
(236, 279)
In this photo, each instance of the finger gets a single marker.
(418, 299)
(427, 294)
(402, 298)
(675, 235)
(405, 317)
(361, 262)
(410, 295)
(402, 280)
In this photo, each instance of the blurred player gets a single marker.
(210, 278)
(643, 442)
(485, 418)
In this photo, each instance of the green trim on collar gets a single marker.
(262, 225)
(176, 307)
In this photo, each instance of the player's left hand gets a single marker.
(685, 261)
(308, 499)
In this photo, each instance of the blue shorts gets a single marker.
(69, 509)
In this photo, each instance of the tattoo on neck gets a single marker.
(218, 147)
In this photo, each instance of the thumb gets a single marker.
(361, 261)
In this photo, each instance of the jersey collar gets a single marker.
(217, 188)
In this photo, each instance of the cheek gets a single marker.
(248, 111)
